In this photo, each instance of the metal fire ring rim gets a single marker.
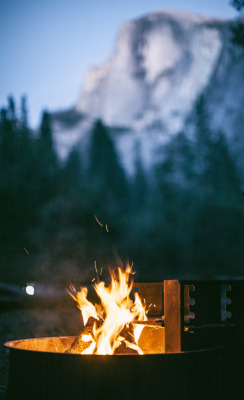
(10, 345)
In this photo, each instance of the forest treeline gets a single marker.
(185, 217)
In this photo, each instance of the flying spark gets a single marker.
(95, 265)
(98, 221)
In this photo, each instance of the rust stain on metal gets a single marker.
(172, 316)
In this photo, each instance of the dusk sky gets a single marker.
(47, 46)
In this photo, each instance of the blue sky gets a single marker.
(47, 46)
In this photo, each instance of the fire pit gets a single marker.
(188, 355)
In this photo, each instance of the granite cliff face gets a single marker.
(147, 90)
(161, 63)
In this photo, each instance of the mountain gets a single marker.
(146, 92)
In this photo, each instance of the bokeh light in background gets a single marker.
(30, 290)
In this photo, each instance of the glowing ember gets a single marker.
(111, 325)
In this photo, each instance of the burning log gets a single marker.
(128, 344)
(79, 344)
(116, 332)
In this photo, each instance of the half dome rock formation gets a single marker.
(147, 91)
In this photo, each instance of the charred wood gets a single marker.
(79, 345)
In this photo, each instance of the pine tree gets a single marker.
(46, 131)
(16, 189)
(105, 170)
(238, 26)
(11, 109)
(46, 165)
(216, 228)
(73, 171)
(172, 209)
(139, 188)
(108, 197)
(24, 113)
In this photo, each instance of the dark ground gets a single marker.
(21, 323)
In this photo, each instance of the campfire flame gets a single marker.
(113, 319)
